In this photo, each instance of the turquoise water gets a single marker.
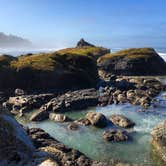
(89, 139)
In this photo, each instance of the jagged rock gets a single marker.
(30, 101)
(83, 43)
(115, 135)
(97, 119)
(75, 100)
(121, 121)
(140, 91)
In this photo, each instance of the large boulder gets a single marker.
(59, 70)
(136, 61)
(97, 119)
(15, 146)
(159, 140)
(121, 121)
(55, 70)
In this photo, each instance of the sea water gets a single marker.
(89, 139)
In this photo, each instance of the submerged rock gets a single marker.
(121, 121)
(97, 119)
(159, 140)
(115, 135)
(73, 126)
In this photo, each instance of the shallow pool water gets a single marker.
(89, 139)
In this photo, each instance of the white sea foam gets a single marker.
(163, 55)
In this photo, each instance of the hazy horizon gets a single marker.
(61, 23)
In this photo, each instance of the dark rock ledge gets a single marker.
(58, 154)
(118, 90)
(76, 100)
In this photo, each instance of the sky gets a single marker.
(110, 23)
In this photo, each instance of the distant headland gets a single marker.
(12, 41)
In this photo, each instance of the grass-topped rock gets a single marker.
(86, 49)
(48, 70)
(136, 61)
(54, 70)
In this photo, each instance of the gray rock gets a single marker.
(83, 121)
(16, 147)
(76, 100)
(58, 117)
(97, 119)
(121, 121)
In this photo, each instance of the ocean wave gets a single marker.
(163, 55)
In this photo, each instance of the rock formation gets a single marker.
(133, 62)
(159, 140)
(15, 146)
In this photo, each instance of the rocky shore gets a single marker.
(34, 146)
(137, 91)
(74, 79)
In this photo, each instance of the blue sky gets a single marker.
(111, 23)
